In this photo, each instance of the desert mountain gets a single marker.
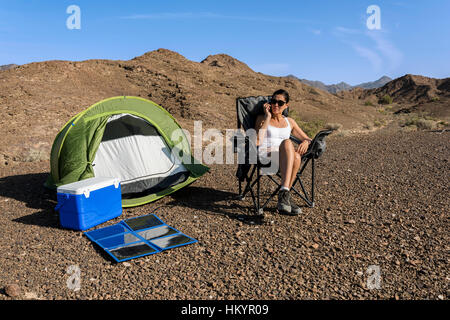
(341, 86)
(37, 99)
(414, 88)
(333, 88)
(414, 93)
(7, 67)
(374, 84)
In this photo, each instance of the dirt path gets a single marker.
(381, 200)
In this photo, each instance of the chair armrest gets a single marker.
(295, 139)
(317, 145)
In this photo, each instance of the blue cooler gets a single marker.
(88, 203)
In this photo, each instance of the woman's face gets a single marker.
(275, 104)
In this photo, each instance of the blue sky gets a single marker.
(317, 40)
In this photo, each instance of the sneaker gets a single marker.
(284, 205)
(295, 209)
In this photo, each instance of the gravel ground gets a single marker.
(381, 200)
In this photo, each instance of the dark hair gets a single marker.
(281, 92)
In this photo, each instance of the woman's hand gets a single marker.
(303, 147)
(267, 113)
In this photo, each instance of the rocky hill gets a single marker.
(374, 84)
(412, 93)
(7, 67)
(37, 99)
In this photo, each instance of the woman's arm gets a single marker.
(262, 122)
(300, 134)
(297, 131)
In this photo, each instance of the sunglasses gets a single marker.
(279, 102)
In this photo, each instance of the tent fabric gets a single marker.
(74, 151)
(133, 151)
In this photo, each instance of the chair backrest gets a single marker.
(249, 108)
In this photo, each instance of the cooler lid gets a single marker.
(88, 185)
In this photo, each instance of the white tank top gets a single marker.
(274, 137)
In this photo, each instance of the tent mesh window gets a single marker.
(133, 150)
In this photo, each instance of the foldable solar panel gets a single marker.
(137, 237)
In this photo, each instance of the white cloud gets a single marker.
(374, 59)
(387, 49)
(381, 53)
(345, 31)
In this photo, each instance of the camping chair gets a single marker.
(250, 165)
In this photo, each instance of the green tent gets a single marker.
(129, 138)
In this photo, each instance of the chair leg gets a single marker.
(271, 196)
(258, 183)
(309, 200)
(240, 189)
(248, 186)
(305, 195)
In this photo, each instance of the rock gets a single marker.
(31, 295)
(415, 262)
(12, 290)
(313, 245)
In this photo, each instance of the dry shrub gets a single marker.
(333, 126)
(426, 124)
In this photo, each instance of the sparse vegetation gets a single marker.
(368, 126)
(386, 99)
(368, 103)
(435, 99)
(422, 122)
(426, 124)
(333, 126)
(379, 122)
(382, 111)
(311, 127)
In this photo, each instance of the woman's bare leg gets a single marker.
(295, 168)
(287, 159)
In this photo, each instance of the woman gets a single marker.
(273, 133)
